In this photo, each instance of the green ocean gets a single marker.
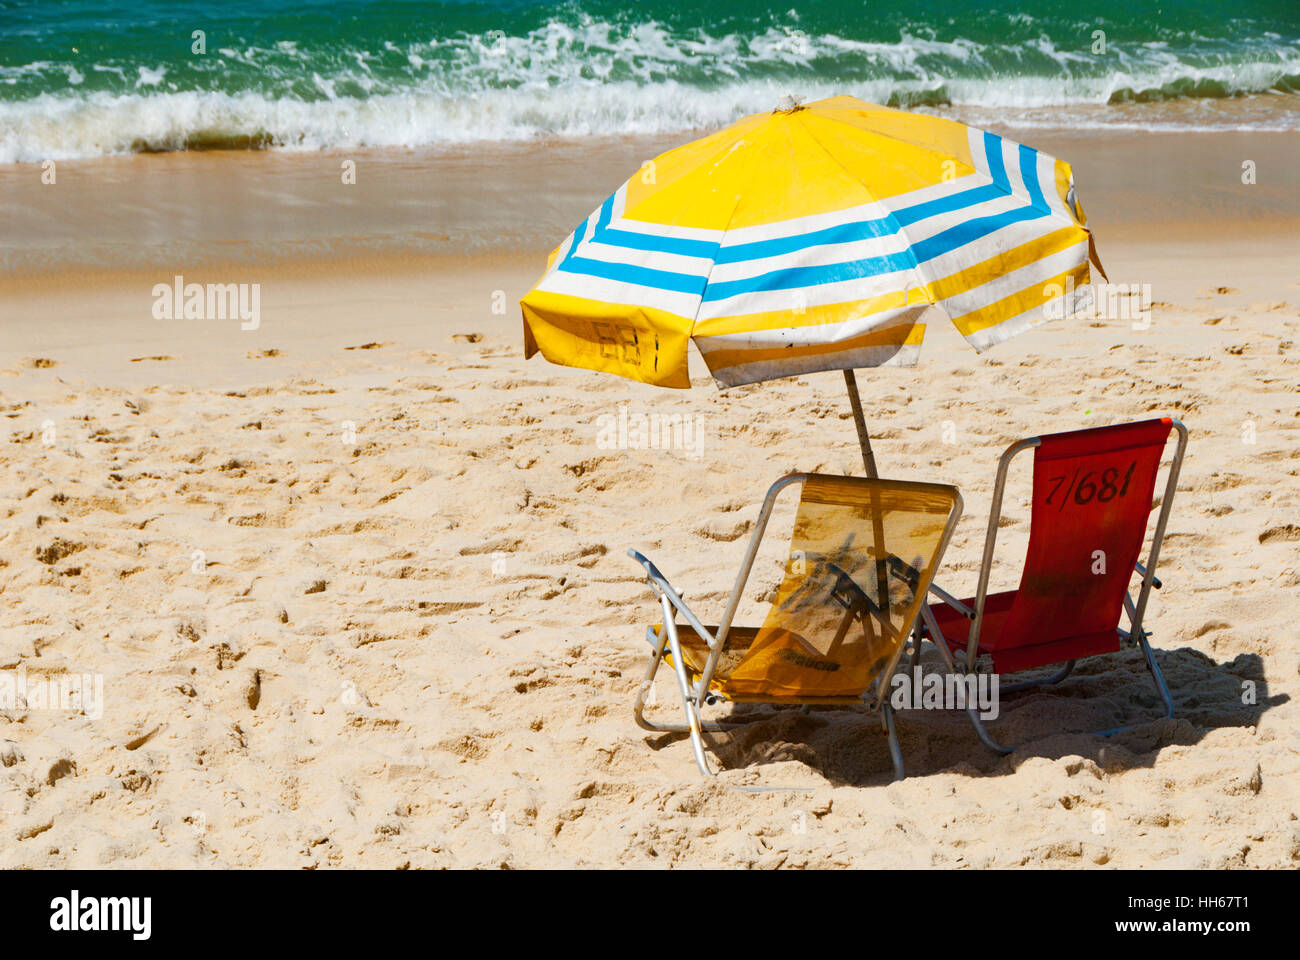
(85, 78)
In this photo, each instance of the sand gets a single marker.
(356, 589)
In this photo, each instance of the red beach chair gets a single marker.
(1092, 498)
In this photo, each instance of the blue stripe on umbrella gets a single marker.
(795, 277)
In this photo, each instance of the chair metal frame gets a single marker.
(694, 695)
(1134, 608)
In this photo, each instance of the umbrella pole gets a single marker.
(868, 458)
(878, 523)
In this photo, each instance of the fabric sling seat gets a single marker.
(1092, 496)
(862, 554)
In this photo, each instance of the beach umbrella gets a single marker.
(814, 237)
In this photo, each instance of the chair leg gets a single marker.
(697, 739)
(916, 645)
(950, 662)
(1056, 677)
(689, 707)
(891, 731)
(1157, 677)
(638, 708)
(652, 668)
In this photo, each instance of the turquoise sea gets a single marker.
(84, 78)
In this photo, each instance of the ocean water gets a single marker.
(86, 78)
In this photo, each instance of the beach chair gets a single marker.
(841, 616)
(1092, 497)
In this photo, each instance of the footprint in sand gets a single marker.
(56, 550)
(1287, 531)
(60, 769)
(135, 743)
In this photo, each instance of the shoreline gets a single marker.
(230, 211)
(468, 124)
(1166, 211)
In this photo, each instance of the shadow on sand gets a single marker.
(849, 748)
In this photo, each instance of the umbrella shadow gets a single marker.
(849, 748)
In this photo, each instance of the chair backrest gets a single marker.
(862, 556)
(1092, 498)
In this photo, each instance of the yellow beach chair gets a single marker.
(862, 556)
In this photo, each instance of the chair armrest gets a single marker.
(952, 601)
(660, 585)
(1142, 572)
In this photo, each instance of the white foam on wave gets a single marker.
(61, 128)
(591, 78)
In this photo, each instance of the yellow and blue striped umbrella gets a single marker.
(817, 237)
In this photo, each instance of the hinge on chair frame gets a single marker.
(1127, 636)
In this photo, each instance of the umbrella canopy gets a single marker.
(817, 237)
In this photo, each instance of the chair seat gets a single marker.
(695, 650)
(695, 653)
(1011, 653)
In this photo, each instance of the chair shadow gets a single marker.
(849, 748)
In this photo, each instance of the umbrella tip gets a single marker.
(788, 103)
